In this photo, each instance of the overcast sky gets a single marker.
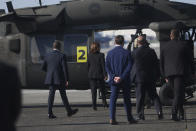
(30, 3)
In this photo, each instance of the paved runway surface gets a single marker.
(34, 115)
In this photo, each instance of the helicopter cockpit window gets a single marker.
(40, 46)
(71, 42)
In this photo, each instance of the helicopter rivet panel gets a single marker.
(94, 8)
(90, 11)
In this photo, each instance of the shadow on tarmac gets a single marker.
(188, 103)
(72, 105)
(146, 122)
(70, 124)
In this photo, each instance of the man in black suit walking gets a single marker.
(176, 64)
(55, 66)
(144, 73)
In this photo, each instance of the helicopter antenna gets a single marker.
(40, 2)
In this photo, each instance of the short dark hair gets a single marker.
(57, 45)
(119, 39)
(175, 33)
(95, 47)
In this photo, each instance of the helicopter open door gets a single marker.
(75, 45)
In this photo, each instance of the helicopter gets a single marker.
(27, 34)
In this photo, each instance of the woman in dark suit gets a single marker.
(96, 73)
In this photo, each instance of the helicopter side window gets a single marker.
(40, 46)
(71, 42)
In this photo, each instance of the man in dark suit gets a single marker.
(55, 66)
(118, 66)
(176, 63)
(145, 73)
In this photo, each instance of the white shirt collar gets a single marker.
(117, 45)
(140, 46)
(56, 49)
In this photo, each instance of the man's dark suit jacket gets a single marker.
(55, 65)
(96, 66)
(145, 67)
(118, 64)
(176, 59)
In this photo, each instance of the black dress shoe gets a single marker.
(72, 112)
(113, 122)
(181, 116)
(105, 106)
(160, 116)
(174, 117)
(140, 118)
(95, 108)
(133, 121)
(51, 116)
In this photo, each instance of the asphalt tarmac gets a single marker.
(34, 115)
